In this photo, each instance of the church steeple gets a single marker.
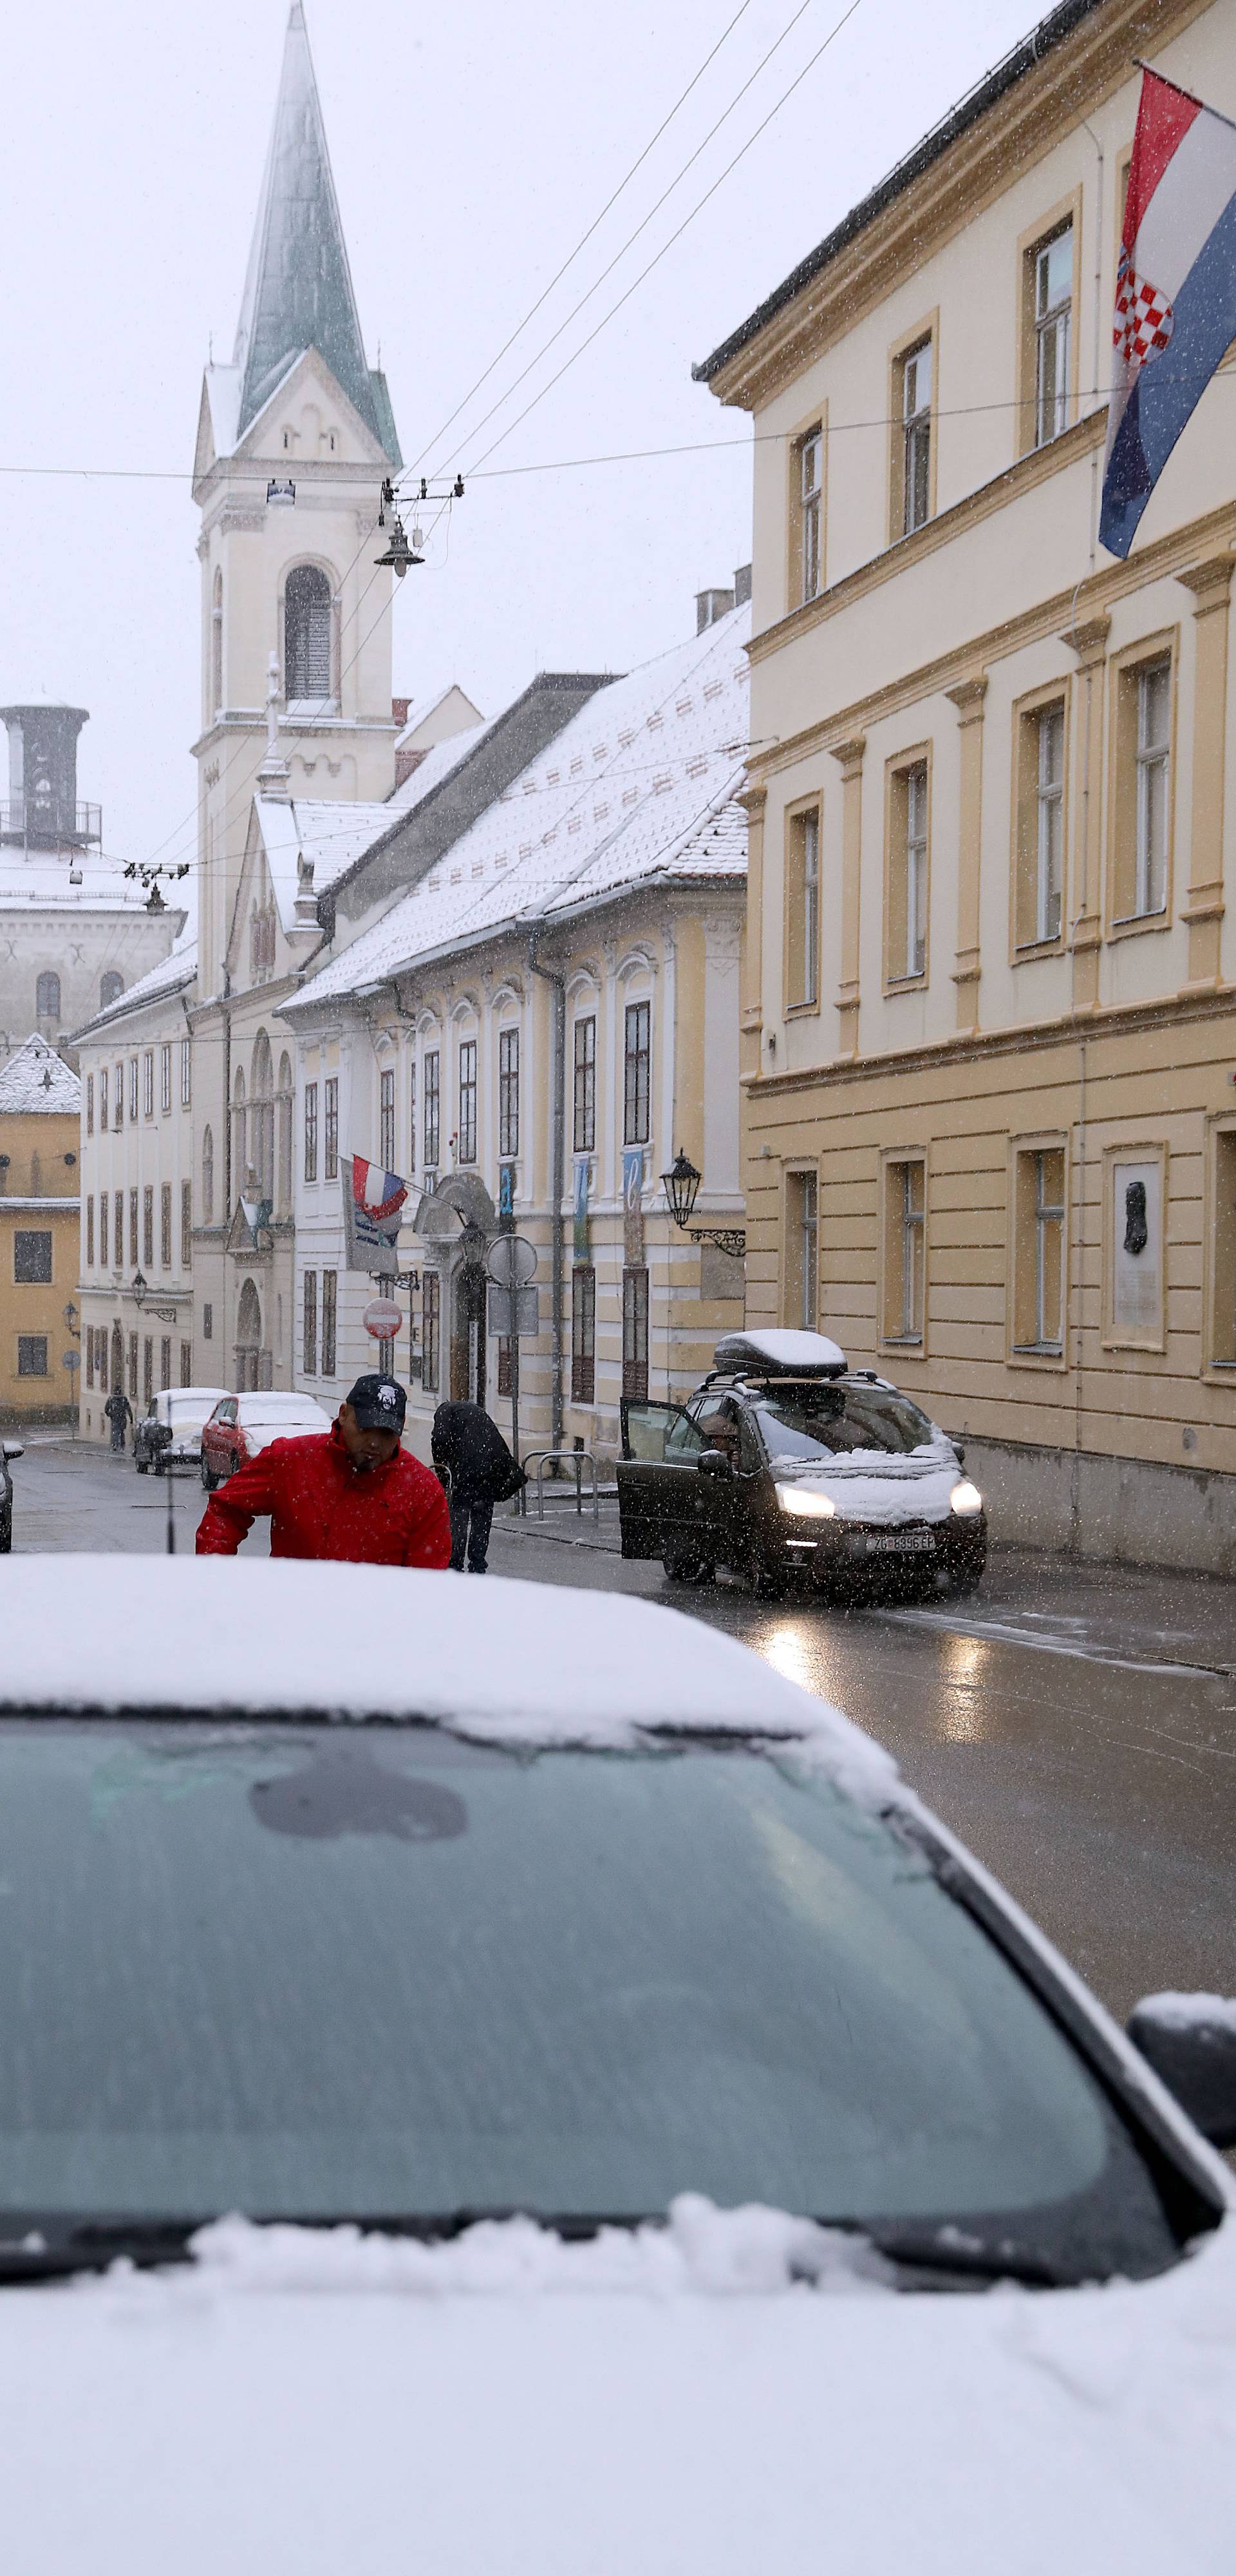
(298, 289)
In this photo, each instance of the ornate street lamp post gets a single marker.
(681, 1187)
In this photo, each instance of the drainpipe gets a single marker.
(557, 1185)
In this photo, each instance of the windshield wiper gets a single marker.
(969, 2258)
(49, 2251)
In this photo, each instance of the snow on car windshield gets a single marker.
(829, 1421)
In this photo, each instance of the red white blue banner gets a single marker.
(373, 1203)
(1175, 313)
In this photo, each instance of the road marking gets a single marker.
(1007, 1633)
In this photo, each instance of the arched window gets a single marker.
(240, 1166)
(216, 645)
(47, 997)
(284, 1104)
(262, 1117)
(111, 987)
(208, 1177)
(249, 1353)
(306, 620)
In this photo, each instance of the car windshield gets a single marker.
(313, 1970)
(830, 1420)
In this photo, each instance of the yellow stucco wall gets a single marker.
(38, 1195)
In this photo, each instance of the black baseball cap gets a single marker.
(379, 1403)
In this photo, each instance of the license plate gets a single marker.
(899, 1543)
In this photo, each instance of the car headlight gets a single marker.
(808, 1506)
(966, 1498)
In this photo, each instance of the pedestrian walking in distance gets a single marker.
(470, 1452)
(119, 1412)
(351, 1493)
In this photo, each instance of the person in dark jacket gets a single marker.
(472, 1452)
(119, 1412)
(350, 1493)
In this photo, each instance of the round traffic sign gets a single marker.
(512, 1261)
(382, 1317)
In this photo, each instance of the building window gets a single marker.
(433, 1114)
(914, 435)
(165, 1361)
(585, 1101)
(311, 1131)
(165, 1079)
(147, 1084)
(906, 929)
(802, 911)
(208, 1322)
(208, 1176)
(306, 615)
(802, 1251)
(32, 1355)
(32, 1259)
(411, 1116)
(584, 1334)
(47, 999)
(216, 644)
(186, 1074)
(148, 1228)
(1141, 803)
(118, 1097)
(132, 1230)
(148, 1370)
(635, 1334)
(90, 1234)
(186, 1225)
(904, 1250)
(330, 1102)
(1053, 308)
(330, 1291)
(508, 1091)
(386, 1121)
(1223, 1298)
(504, 1364)
(90, 1104)
(105, 1240)
(637, 1070)
(309, 1340)
(103, 1102)
(809, 515)
(1039, 888)
(431, 1330)
(133, 1367)
(1038, 1250)
(186, 1363)
(467, 1101)
(111, 986)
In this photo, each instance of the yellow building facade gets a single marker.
(39, 1212)
(989, 996)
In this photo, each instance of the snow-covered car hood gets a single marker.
(260, 1435)
(296, 2405)
(868, 1485)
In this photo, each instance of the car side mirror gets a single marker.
(1190, 2040)
(14, 1449)
(713, 1462)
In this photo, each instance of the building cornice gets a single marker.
(914, 214)
(1070, 614)
(1070, 1028)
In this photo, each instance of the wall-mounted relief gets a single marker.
(1135, 1248)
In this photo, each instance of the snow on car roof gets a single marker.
(259, 1636)
(269, 1405)
(784, 1350)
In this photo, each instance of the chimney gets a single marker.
(399, 711)
(710, 605)
(742, 585)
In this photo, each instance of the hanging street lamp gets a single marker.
(681, 1187)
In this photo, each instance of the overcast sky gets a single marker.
(472, 147)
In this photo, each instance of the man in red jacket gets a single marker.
(350, 1493)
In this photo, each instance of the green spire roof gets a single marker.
(298, 290)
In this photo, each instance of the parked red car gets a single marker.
(241, 1425)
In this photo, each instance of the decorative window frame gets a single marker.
(1030, 243)
(1220, 1255)
(1121, 668)
(909, 1352)
(1052, 693)
(812, 424)
(926, 328)
(1024, 1355)
(794, 814)
(899, 763)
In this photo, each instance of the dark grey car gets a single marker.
(8, 1449)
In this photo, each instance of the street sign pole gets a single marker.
(514, 1346)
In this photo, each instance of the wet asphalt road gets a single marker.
(1077, 1727)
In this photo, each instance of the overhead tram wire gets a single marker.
(584, 238)
(628, 292)
(633, 237)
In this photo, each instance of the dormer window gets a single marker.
(307, 624)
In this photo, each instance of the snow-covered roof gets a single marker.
(170, 976)
(38, 881)
(640, 784)
(441, 758)
(327, 837)
(420, 712)
(35, 1078)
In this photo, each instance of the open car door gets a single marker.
(661, 1493)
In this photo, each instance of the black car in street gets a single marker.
(787, 1462)
(8, 1449)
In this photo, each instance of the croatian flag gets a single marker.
(372, 1210)
(1175, 293)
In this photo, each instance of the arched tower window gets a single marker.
(240, 1166)
(262, 1117)
(216, 645)
(47, 996)
(111, 986)
(208, 1177)
(284, 1105)
(306, 622)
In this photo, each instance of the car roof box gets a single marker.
(780, 1354)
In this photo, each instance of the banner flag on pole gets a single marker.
(1175, 314)
(373, 1203)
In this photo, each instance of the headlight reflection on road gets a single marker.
(963, 1704)
(784, 1648)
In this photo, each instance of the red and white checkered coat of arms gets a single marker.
(1143, 318)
